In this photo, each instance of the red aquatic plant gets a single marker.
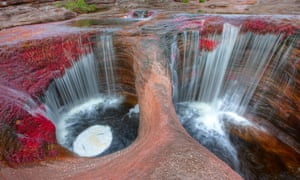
(257, 26)
(30, 67)
(207, 44)
(262, 27)
(36, 135)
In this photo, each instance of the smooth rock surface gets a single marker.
(26, 14)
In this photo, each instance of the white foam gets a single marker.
(93, 141)
(207, 125)
(209, 117)
(91, 104)
(134, 110)
(85, 108)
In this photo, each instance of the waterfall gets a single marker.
(21, 99)
(239, 89)
(226, 77)
(105, 43)
(83, 81)
(75, 101)
(90, 117)
(212, 89)
(204, 70)
(78, 84)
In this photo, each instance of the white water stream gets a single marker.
(212, 89)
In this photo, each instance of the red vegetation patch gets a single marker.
(257, 26)
(32, 66)
(261, 26)
(36, 136)
(214, 24)
(207, 44)
(29, 67)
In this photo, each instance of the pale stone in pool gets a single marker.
(93, 141)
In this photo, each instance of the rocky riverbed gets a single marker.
(22, 12)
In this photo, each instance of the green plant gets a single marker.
(185, 1)
(79, 6)
(202, 1)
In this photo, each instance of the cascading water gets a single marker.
(206, 125)
(213, 88)
(105, 43)
(77, 85)
(21, 99)
(91, 119)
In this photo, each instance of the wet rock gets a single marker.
(48, 14)
(4, 3)
(22, 15)
(263, 147)
(100, 1)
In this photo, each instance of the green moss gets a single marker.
(202, 1)
(200, 11)
(185, 1)
(79, 6)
